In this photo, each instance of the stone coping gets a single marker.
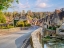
(35, 38)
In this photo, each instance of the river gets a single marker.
(57, 43)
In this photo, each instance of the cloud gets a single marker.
(42, 0)
(41, 5)
(20, 5)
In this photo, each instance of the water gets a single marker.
(53, 44)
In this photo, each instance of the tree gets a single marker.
(23, 13)
(41, 15)
(4, 4)
(2, 18)
(30, 13)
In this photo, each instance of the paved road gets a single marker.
(15, 40)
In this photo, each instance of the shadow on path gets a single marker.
(19, 41)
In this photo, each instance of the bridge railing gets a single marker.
(36, 37)
(25, 42)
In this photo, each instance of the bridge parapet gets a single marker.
(36, 37)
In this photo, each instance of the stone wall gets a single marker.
(36, 37)
(59, 33)
(49, 32)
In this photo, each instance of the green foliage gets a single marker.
(22, 24)
(52, 28)
(28, 25)
(10, 26)
(30, 17)
(58, 26)
(3, 27)
(2, 18)
(15, 21)
(6, 27)
(47, 37)
(4, 4)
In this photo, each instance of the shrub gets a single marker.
(6, 27)
(10, 26)
(2, 18)
(20, 24)
(47, 37)
(3, 27)
(15, 22)
(50, 27)
(23, 24)
(28, 25)
(54, 28)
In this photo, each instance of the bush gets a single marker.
(2, 18)
(23, 24)
(15, 22)
(47, 37)
(20, 24)
(6, 27)
(52, 28)
(10, 26)
(3, 27)
(28, 25)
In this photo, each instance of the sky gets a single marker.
(37, 5)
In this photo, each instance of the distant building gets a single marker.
(40, 22)
(53, 18)
(34, 21)
(62, 9)
(60, 30)
(56, 18)
(20, 18)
